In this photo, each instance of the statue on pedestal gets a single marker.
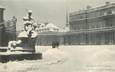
(26, 39)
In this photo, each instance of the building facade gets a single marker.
(47, 38)
(48, 33)
(92, 26)
(9, 31)
(1, 24)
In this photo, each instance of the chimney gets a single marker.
(88, 7)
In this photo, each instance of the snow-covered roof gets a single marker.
(51, 25)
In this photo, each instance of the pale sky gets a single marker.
(46, 10)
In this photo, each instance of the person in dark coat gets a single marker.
(55, 44)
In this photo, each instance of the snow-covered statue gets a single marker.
(26, 39)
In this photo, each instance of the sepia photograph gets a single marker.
(57, 35)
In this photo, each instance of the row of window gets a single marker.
(93, 14)
(98, 24)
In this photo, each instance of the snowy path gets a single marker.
(67, 59)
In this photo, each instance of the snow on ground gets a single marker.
(53, 56)
(95, 58)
